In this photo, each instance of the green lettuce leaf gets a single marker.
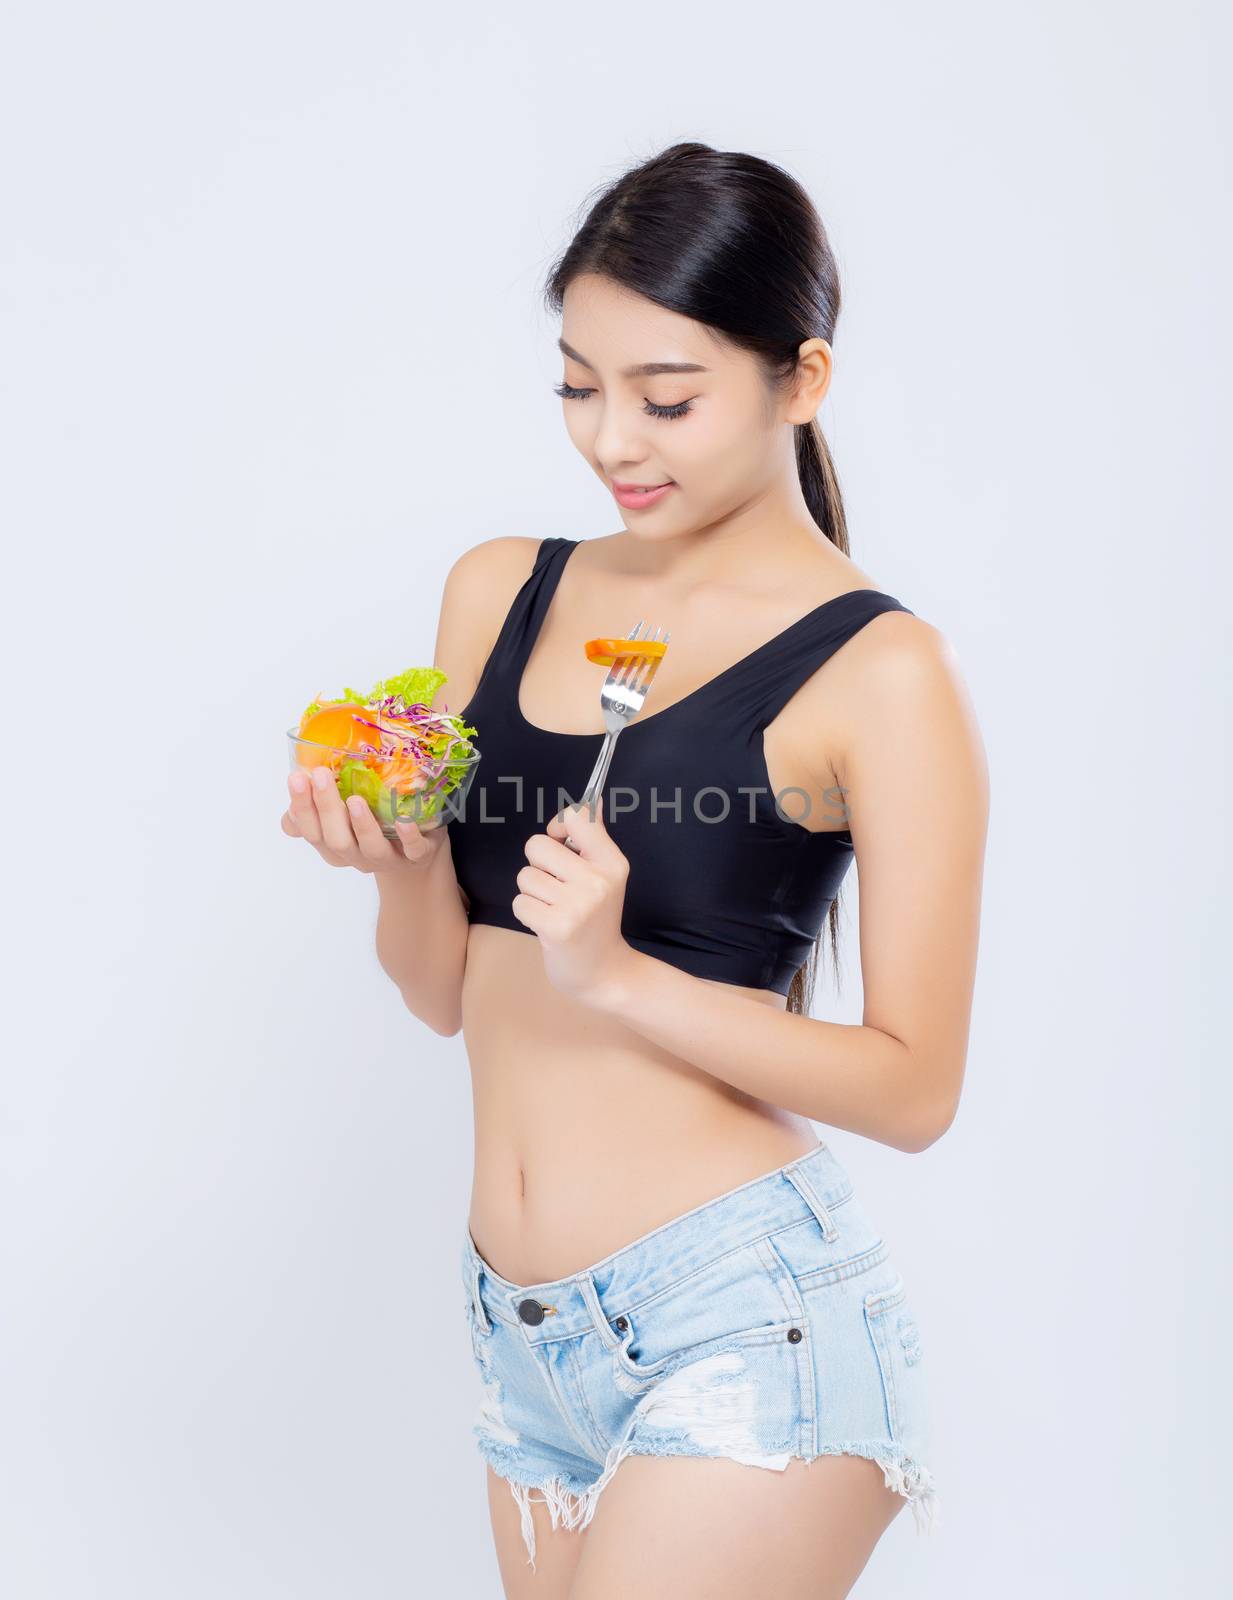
(418, 685)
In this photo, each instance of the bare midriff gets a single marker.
(587, 1136)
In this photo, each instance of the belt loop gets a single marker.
(586, 1287)
(813, 1200)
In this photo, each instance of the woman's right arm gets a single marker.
(421, 934)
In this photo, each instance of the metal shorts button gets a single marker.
(534, 1311)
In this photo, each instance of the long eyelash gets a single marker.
(566, 391)
(682, 410)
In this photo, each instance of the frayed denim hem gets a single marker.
(900, 1472)
(571, 1503)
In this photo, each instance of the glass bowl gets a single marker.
(429, 799)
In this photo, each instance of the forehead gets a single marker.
(612, 328)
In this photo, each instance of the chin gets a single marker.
(658, 536)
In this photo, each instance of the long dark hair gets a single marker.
(734, 242)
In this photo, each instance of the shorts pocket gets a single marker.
(479, 1333)
(815, 1254)
(468, 1312)
(896, 1336)
(732, 1297)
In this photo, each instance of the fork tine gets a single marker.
(620, 667)
(635, 672)
(647, 666)
(649, 663)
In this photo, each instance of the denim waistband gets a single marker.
(807, 1186)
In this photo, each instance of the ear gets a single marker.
(815, 365)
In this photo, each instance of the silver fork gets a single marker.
(621, 699)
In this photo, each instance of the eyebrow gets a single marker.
(646, 369)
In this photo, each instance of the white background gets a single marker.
(273, 355)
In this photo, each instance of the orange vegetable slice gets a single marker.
(603, 652)
(344, 728)
(336, 727)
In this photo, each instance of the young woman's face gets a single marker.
(713, 433)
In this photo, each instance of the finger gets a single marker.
(593, 812)
(532, 913)
(588, 833)
(303, 810)
(559, 828)
(540, 885)
(553, 855)
(373, 845)
(411, 836)
(335, 824)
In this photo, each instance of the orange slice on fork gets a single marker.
(604, 652)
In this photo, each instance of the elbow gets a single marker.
(446, 1026)
(445, 1023)
(931, 1090)
(929, 1126)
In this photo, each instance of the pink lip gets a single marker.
(634, 499)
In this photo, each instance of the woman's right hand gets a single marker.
(349, 835)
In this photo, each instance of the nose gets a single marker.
(618, 444)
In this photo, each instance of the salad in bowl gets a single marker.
(409, 762)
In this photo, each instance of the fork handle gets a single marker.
(596, 781)
(600, 773)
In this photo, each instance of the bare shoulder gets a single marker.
(900, 680)
(479, 589)
(899, 650)
(503, 562)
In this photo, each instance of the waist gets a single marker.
(586, 1133)
(807, 1186)
(550, 1196)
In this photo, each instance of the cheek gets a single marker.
(581, 428)
(719, 455)
(741, 430)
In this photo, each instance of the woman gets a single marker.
(664, 1270)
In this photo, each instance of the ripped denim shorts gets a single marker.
(766, 1324)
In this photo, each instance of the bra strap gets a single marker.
(528, 608)
(781, 670)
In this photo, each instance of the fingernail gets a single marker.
(321, 776)
(299, 782)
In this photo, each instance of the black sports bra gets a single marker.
(721, 883)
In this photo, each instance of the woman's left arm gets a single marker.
(915, 781)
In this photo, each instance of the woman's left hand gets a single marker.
(573, 902)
